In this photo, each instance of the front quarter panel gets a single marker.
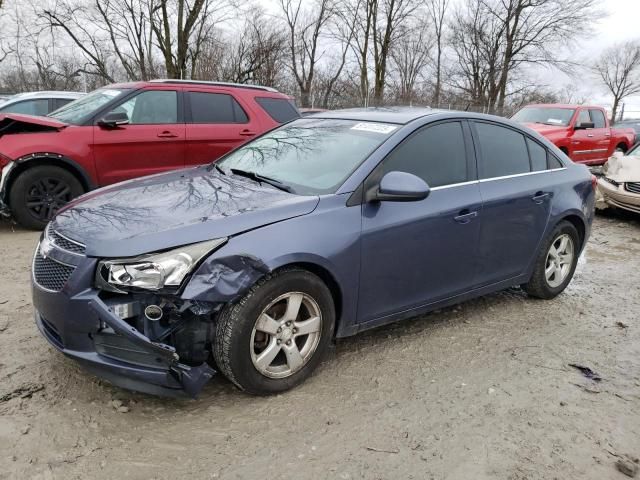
(326, 239)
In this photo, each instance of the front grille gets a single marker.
(50, 274)
(64, 243)
(633, 187)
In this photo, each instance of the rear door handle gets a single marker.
(590, 135)
(465, 216)
(540, 197)
(167, 134)
(247, 133)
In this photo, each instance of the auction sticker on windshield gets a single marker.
(374, 127)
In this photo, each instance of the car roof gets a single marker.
(45, 94)
(562, 105)
(192, 82)
(399, 115)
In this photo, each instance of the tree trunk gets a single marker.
(614, 110)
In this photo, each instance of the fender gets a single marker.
(21, 163)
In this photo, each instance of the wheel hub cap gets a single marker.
(559, 260)
(286, 335)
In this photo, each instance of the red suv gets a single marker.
(124, 131)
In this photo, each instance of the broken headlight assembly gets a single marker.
(153, 271)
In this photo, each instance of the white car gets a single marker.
(619, 187)
(37, 103)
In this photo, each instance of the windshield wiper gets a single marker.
(219, 168)
(261, 178)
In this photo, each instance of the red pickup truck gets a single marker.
(581, 132)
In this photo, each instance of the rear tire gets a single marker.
(553, 268)
(259, 342)
(39, 192)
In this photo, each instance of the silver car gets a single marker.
(38, 103)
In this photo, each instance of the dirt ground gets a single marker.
(482, 390)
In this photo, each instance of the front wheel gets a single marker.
(277, 334)
(39, 192)
(556, 262)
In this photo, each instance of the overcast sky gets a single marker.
(619, 25)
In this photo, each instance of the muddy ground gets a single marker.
(482, 390)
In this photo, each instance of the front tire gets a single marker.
(39, 192)
(556, 262)
(273, 339)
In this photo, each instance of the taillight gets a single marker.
(594, 181)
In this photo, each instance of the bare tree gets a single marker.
(437, 10)
(410, 58)
(387, 17)
(533, 29)
(619, 70)
(501, 36)
(257, 56)
(304, 28)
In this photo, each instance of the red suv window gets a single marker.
(215, 108)
(280, 109)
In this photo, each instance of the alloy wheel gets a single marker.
(286, 335)
(559, 260)
(45, 196)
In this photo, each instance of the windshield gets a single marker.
(310, 156)
(79, 110)
(547, 116)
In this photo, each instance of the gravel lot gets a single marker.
(482, 390)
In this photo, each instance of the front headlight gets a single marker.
(155, 271)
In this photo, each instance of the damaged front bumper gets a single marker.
(110, 348)
(83, 325)
(614, 194)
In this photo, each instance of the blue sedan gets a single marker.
(322, 228)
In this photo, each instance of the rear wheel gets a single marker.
(39, 192)
(277, 334)
(556, 262)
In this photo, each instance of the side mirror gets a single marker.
(400, 187)
(114, 119)
(584, 125)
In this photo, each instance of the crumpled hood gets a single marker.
(173, 209)
(546, 129)
(20, 123)
(622, 168)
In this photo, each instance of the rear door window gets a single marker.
(60, 102)
(504, 151)
(538, 155)
(435, 153)
(215, 108)
(280, 109)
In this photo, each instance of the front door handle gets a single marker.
(540, 197)
(167, 134)
(465, 216)
(590, 135)
(247, 133)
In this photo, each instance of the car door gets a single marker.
(216, 124)
(153, 141)
(583, 141)
(516, 201)
(415, 253)
(601, 134)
